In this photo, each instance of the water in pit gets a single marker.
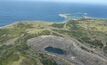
(55, 50)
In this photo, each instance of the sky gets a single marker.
(68, 1)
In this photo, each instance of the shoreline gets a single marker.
(34, 21)
(63, 15)
(5, 26)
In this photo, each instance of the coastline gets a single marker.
(5, 26)
(36, 21)
(65, 16)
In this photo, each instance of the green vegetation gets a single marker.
(91, 33)
(58, 25)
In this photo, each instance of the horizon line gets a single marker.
(75, 2)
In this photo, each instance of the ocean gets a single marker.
(11, 12)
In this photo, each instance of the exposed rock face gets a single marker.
(73, 52)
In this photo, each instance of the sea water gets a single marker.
(12, 11)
